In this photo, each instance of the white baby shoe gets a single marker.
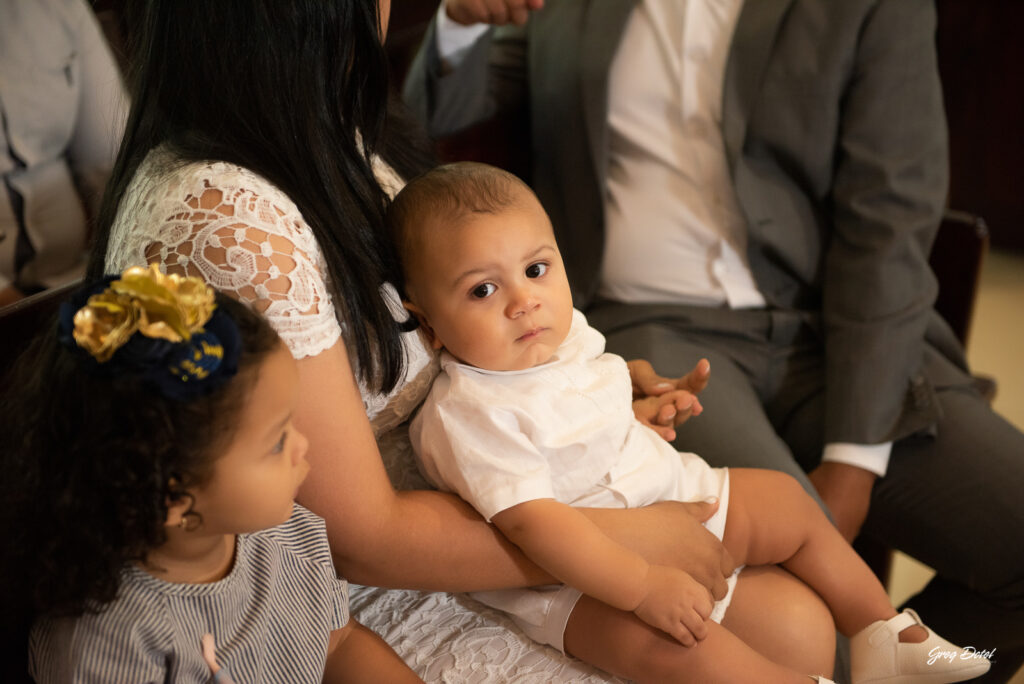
(877, 655)
(821, 680)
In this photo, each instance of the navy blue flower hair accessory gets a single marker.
(166, 327)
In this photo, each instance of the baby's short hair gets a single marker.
(448, 193)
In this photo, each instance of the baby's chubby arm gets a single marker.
(564, 542)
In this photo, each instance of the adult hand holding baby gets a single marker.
(672, 533)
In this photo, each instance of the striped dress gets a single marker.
(270, 617)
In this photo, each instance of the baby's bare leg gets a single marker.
(622, 644)
(771, 519)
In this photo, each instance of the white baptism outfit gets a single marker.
(563, 430)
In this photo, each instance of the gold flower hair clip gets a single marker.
(144, 300)
(165, 326)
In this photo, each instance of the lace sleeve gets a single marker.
(240, 234)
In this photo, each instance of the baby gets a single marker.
(531, 418)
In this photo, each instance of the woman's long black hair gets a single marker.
(284, 88)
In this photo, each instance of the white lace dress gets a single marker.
(247, 238)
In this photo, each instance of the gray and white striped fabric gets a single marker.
(271, 618)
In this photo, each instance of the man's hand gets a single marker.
(846, 490)
(661, 413)
(676, 604)
(496, 12)
(647, 383)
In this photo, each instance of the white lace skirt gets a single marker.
(453, 639)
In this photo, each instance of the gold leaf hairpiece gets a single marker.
(144, 300)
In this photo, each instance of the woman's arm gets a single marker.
(416, 539)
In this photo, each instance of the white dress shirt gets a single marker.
(674, 232)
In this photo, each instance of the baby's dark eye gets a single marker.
(484, 290)
(279, 447)
(536, 270)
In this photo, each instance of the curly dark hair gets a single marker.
(90, 461)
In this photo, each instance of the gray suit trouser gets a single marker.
(953, 498)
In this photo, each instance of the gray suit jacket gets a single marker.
(834, 129)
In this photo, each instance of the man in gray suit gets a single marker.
(759, 183)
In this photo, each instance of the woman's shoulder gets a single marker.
(186, 181)
(236, 230)
(170, 201)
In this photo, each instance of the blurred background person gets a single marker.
(62, 109)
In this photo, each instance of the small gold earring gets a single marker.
(190, 521)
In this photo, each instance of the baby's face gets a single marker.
(492, 289)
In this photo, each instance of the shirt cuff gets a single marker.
(454, 39)
(871, 457)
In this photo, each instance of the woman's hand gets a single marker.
(671, 533)
(662, 416)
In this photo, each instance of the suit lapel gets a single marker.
(603, 24)
(751, 45)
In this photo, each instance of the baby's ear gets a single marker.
(424, 323)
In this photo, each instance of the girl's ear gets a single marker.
(421, 316)
(178, 507)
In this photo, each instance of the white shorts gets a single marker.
(543, 612)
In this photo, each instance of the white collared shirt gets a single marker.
(674, 232)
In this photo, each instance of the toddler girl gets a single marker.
(531, 418)
(150, 491)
